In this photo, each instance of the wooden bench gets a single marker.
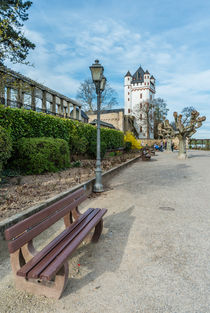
(145, 155)
(46, 272)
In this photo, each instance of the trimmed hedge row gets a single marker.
(5, 147)
(30, 124)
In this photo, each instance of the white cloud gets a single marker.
(62, 57)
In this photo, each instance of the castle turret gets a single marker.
(139, 91)
(127, 93)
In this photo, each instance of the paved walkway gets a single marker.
(154, 254)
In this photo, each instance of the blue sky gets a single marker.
(169, 38)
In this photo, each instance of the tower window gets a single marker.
(140, 95)
(140, 116)
(129, 111)
(128, 93)
(128, 99)
(140, 105)
(140, 129)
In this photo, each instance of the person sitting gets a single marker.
(158, 147)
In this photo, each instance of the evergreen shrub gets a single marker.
(93, 149)
(128, 146)
(39, 155)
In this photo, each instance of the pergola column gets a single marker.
(68, 109)
(44, 100)
(74, 111)
(2, 94)
(20, 95)
(33, 98)
(61, 107)
(53, 107)
(80, 115)
(8, 96)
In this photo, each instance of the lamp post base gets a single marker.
(98, 188)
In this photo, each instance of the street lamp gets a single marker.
(100, 82)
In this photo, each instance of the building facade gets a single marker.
(139, 91)
(114, 117)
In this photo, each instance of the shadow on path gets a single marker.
(107, 254)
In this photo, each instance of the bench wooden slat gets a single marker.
(42, 265)
(19, 228)
(40, 255)
(54, 267)
(32, 233)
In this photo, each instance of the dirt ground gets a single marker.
(20, 193)
(153, 255)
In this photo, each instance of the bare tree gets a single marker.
(186, 131)
(160, 113)
(166, 131)
(144, 116)
(87, 96)
(186, 114)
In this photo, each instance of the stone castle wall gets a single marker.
(114, 118)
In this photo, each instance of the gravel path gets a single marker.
(153, 256)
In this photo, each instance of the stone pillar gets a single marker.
(80, 116)
(20, 95)
(68, 109)
(2, 94)
(44, 100)
(61, 108)
(33, 98)
(8, 96)
(53, 110)
(74, 111)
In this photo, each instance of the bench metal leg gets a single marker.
(97, 231)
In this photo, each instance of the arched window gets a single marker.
(140, 116)
(140, 129)
(140, 105)
(140, 95)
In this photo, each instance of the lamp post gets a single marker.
(100, 82)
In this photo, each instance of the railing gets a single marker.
(201, 144)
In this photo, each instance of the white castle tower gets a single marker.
(139, 91)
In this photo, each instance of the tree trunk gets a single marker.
(182, 148)
(168, 145)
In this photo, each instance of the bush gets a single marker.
(135, 143)
(5, 146)
(128, 146)
(39, 155)
(93, 149)
(78, 145)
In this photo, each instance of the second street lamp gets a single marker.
(100, 82)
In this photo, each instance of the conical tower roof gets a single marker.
(128, 74)
(138, 76)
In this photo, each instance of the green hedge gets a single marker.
(5, 146)
(30, 124)
(39, 155)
